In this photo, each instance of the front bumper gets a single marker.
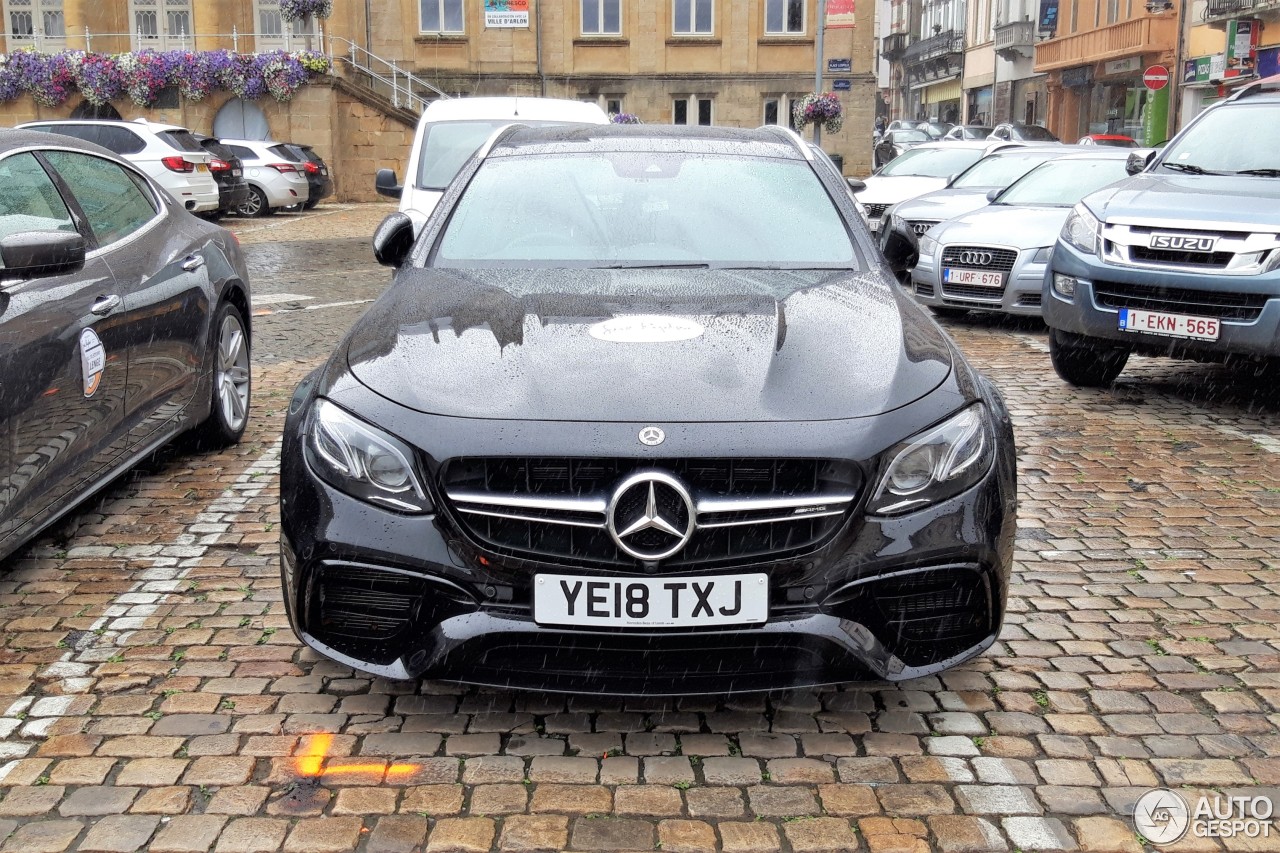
(1020, 295)
(1257, 335)
(404, 596)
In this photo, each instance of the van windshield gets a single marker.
(446, 146)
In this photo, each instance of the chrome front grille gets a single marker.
(557, 510)
(1181, 246)
(987, 258)
(875, 211)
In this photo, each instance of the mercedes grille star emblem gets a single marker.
(976, 259)
(652, 436)
(651, 515)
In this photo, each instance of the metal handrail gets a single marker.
(407, 89)
(286, 38)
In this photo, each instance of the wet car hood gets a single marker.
(1017, 226)
(647, 345)
(943, 204)
(1172, 197)
(891, 189)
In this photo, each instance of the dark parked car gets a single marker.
(124, 321)
(228, 171)
(1015, 132)
(317, 172)
(895, 142)
(613, 428)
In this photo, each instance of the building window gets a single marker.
(601, 17)
(35, 22)
(695, 109)
(777, 110)
(275, 33)
(613, 106)
(692, 17)
(160, 24)
(441, 16)
(784, 17)
(1113, 11)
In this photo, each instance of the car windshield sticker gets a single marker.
(646, 329)
(93, 359)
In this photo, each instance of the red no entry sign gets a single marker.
(1156, 77)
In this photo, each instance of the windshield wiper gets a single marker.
(1189, 168)
(1266, 173)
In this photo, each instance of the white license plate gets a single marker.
(237, 172)
(976, 277)
(659, 602)
(1170, 325)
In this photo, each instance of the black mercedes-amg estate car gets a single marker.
(644, 411)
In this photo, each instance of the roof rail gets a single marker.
(791, 136)
(1258, 87)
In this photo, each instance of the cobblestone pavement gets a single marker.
(152, 695)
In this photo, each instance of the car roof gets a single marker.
(155, 127)
(534, 109)
(1267, 89)
(770, 141)
(13, 139)
(1097, 153)
(954, 144)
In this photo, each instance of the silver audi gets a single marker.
(994, 258)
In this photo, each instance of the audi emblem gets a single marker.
(976, 259)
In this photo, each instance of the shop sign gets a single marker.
(1217, 66)
(840, 15)
(505, 14)
(1269, 62)
(1124, 66)
(1242, 45)
(1076, 78)
(1048, 16)
(1196, 70)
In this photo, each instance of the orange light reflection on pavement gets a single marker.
(311, 763)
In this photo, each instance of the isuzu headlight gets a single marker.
(1082, 230)
(937, 464)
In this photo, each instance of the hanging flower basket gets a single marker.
(100, 78)
(297, 10)
(824, 109)
(624, 118)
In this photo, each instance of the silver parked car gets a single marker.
(994, 258)
(275, 175)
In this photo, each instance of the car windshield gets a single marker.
(446, 145)
(645, 209)
(1062, 183)
(997, 171)
(910, 136)
(1228, 140)
(1034, 133)
(931, 162)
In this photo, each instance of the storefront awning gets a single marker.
(939, 92)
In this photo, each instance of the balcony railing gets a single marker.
(894, 46)
(952, 41)
(1113, 42)
(1227, 8)
(1018, 37)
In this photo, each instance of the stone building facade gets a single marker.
(685, 61)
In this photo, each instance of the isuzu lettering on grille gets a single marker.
(1183, 242)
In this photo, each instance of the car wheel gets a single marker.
(1084, 362)
(256, 204)
(948, 312)
(232, 380)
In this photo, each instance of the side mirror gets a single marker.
(855, 184)
(899, 246)
(386, 183)
(393, 239)
(1139, 160)
(992, 195)
(37, 253)
(951, 179)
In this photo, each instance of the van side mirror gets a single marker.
(899, 246)
(37, 253)
(1139, 160)
(387, 184)
(393, 239)
(992, 195)
(855, 184)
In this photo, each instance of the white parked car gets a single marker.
(276, 179)
(921, 170)
(451, 130)
(169, 154)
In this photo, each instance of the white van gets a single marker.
(451, 130)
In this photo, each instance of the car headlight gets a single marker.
(937, 464)
(1082, 230)
(928, 245)
(1043, 255)
(363, 461)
